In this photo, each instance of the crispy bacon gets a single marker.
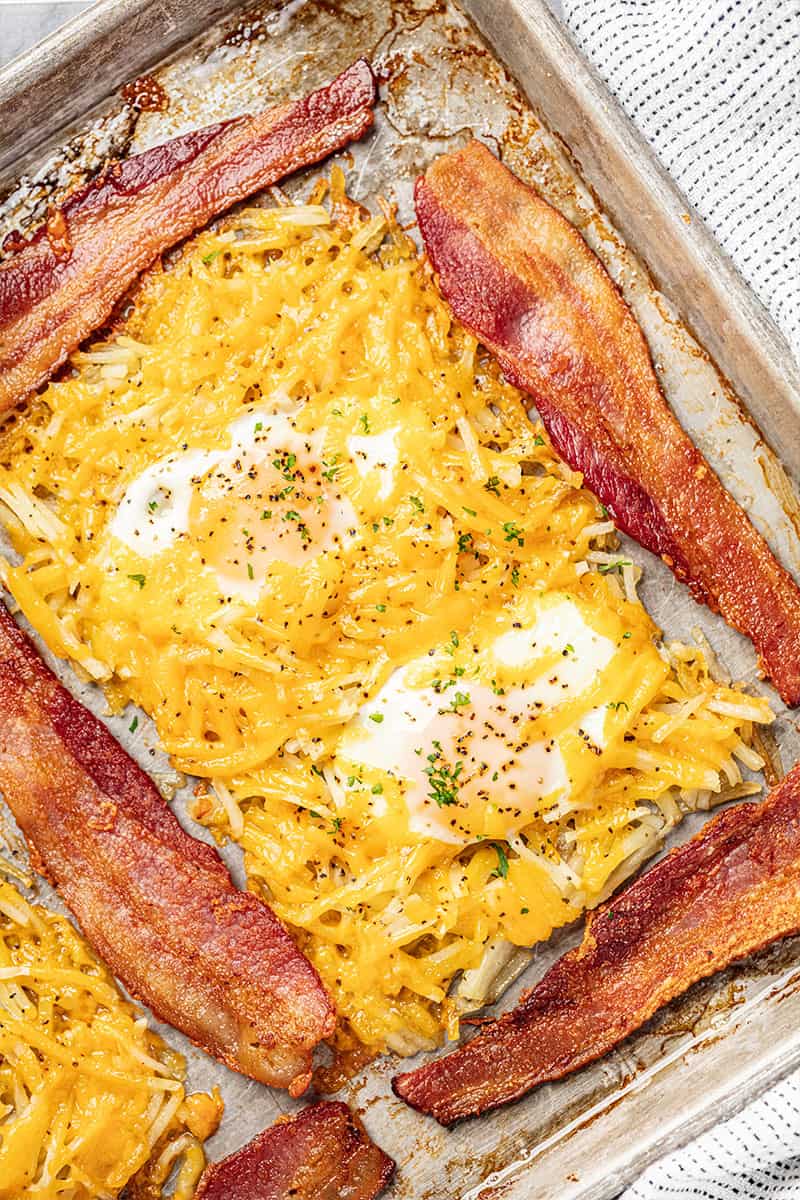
(64, 282)
(155, 903)
(321, 1154)
(727, 893)
(522, 279)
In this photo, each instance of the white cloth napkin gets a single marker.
(713, 85)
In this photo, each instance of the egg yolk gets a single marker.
(272, 501)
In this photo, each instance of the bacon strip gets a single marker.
(727, 893)
(522, 279)
(64, 282)
(321, 1154)
(156, 904)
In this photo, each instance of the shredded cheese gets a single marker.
(417, 511)
(91, 1101)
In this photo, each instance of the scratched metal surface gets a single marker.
(708, 1053)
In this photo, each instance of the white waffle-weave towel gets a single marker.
(713, 85)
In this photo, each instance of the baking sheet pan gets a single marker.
(554, 123)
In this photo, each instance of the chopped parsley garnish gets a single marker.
(337, 824)
(209, 258)
(331, 470)
(285, 463)
(140, 579)
(250, 572)
(513, 533)
(418, 505)
(617, 705)
(443, 778)
(604, 568)
(460, 700)
(134, 725)
(515, 576)
(464, 542)
(501, 871)
(266, 514)
(451, 649)
(364, 422)
(377, 718)
(626, 635)
(259, 426)
(377, 789)
(469, 511)
(381, 607)
(492, 485)
(153, 505)
(538, 440)
(569, 648)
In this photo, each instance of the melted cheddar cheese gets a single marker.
(90, 1099)
(293, 512)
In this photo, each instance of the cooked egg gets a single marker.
(469, 750)
(265, 498)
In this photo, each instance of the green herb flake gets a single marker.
(209, 258)
(331, 469)
(377, 718)
(501, 871)
(134, 725)
(443, 778)
(513, 533)
(604, 568)
(140, 579)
